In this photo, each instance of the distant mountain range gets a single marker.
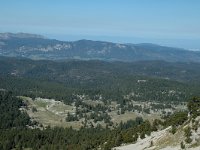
(38, 47)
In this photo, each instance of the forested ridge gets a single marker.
(149, 81)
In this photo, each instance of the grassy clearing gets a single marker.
(50, 113)
(40, 103)
(132, 115)
(53, 113)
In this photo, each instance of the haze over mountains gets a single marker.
(38, 47)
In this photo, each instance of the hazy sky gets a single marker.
(166, 22)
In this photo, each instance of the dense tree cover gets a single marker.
(176, 119)
(112, 90)
(194, 107)
(53, 138)
(10, 115)
(179, 71)
(37, 88)
(147, 81)
(188, 133)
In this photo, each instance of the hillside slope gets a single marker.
(186, 135)
(38, 47)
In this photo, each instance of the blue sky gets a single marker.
(165, 22)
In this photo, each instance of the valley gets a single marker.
(95, 104)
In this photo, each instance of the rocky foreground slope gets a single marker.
(186, 136)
